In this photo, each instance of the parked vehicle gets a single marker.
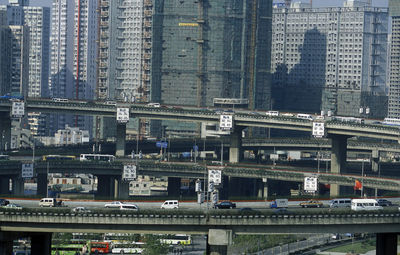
(115, 204)
(311, 203)
(340, 203)
(365, 205)
(225, 205)
(170, 204)
(384, 202)
(279, 203)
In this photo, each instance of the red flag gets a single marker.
(357, 185)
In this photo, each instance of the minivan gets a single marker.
(340, 203)
(365, 205)
(170, 204)
(47, 202)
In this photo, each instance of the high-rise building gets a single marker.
(330, 59)
(73, 56)
(394, 84)
(211, 49)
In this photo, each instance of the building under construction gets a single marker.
(206, 49)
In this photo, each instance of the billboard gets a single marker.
(122, 115)
(310, 184)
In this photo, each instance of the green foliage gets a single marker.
(153, 246)
(254, 243)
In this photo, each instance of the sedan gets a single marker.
(4, 202)
(384, 202)
(115, 204)
(311, 203)
(225, 205)
(13, 207)
(80, 209)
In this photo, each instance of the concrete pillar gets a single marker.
(386, 244)
(5, 131)
(375, 161)
(235, 149)
(224, 190)
(18, 186)
(105, 186)
(5, 185)
(262, 188)
(120, 144)
(174, 186)
(218, 241)
(42, 185)
(41, 243)
(338, 159)
(123, 189)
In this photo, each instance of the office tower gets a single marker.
(330, 59)
(394, 84)
(73, 56)
(211, 49)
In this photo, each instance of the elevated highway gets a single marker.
(218, 225)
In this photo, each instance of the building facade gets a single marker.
(394, 84)
(330, 59)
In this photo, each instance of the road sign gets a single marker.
(27, 170)
(195, 148)
(160, 144)
(122, 115)
(18, 109)
(310, 184)
(318, 129)
(129, 173)
(215, 176)
(225, 122)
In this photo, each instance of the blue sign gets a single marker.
(195, 148)
(160, 144)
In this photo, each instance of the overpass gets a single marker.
(219, 225)
(111, 185)
(338, 131)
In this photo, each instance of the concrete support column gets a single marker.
(386, 244)
(106, 186)
(120, 143)
(5, 185)
(235, 150)
(5, 131)
(375, 161)
(18, 186)
(262, 188)
(174, 186)
(224, 190)
(338, 159)
(41, 243)
(123, 189)
(42, 185)
(218, 241)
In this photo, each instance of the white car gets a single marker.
(80, 209)
(115, 204)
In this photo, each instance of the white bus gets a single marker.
(178, 239)
(127, 248)
(272, 113)
(304, 116)
(99, 157)
(391, 122)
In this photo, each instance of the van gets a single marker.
(47, 202)
(279, 203)
(157, 105)
(170, 204)
(365, 205)
(340, 203)
(272, 113)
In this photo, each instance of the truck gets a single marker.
(279, 203)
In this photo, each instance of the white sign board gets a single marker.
(122, 115)
(215, 176)
(225, 122)
(318, 129)
(129, 173)
(310, 184)
(27, 170)
(18, 109)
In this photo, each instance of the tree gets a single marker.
(153, 246)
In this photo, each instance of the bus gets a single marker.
(304, 116)
(99, 157)
(68, 249)
(4, 157)
(348, 119)
(127, 248)
(391, 122)
(58, 157)
(100, 247)
(178, 239)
